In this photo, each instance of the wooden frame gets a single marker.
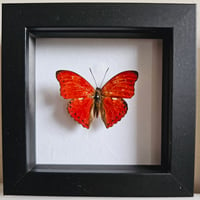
(174, 24)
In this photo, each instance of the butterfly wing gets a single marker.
(76, 88)
(121, 85)
(73, 85)
(112, 110)
(113, 107)
(81, 110)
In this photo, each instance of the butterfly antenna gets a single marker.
(104, 77)
(93, 77)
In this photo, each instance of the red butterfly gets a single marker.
(86, 102)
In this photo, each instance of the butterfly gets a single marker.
(86, 103)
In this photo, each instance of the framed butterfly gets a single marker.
(86, 103)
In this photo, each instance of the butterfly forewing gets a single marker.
(121, 85)
(73, 85)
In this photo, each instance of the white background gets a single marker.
(136, 139)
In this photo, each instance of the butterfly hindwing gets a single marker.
(112, 110)
(80, 109)
(121, 85)
(73, 85)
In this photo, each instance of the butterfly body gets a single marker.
(86, 103)
(97, 102)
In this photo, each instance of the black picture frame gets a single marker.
(173, 23)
